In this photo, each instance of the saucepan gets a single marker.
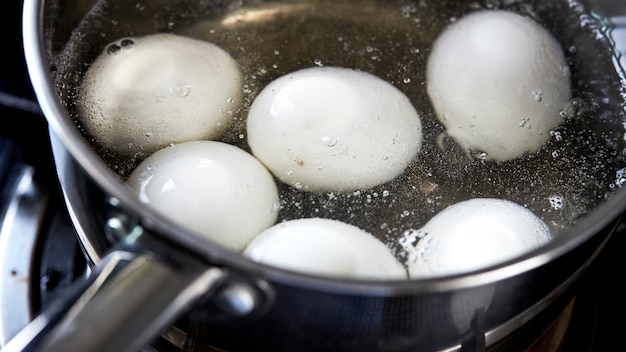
(417, 62)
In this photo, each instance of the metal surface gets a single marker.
(311, 312)
(21, 224)
(140, 293)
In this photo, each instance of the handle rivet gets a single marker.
(236, 299)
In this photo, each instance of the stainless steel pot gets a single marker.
(148, 271)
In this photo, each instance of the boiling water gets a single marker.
(580, 166)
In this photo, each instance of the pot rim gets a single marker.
(63, 127)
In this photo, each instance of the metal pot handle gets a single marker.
(129, 298)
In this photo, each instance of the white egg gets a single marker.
(498, 81)
(473, 235)
(333, 129)
(214, 189)
(327, 248)
(144, 93)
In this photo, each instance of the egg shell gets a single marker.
(325, 247)
(214, 189)
(333, 129)
(473, 235)
(144, 93)
(498, 81)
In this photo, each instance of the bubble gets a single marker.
(407, 10)
(127, 42)
(525, 122)
(620, 178)
(181, 90)
(408, 242)
(113, 49)
(557, 135)
(329, 141)
(556, 202)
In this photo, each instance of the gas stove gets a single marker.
(40, 255)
